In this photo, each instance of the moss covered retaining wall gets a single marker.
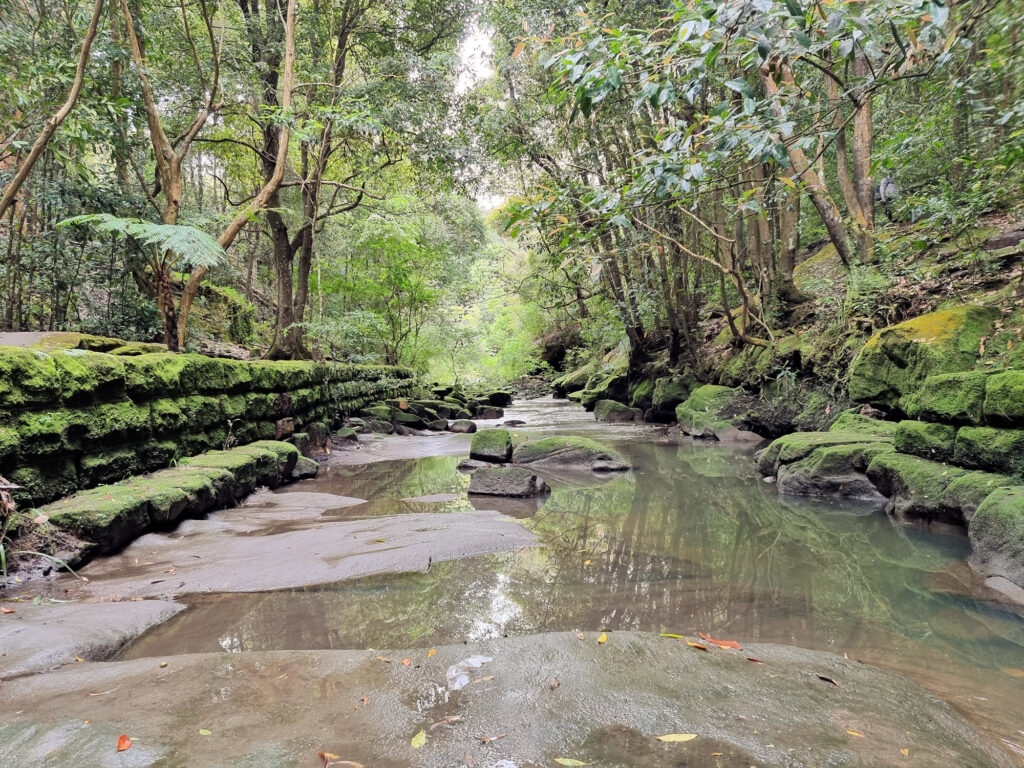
(73, 419)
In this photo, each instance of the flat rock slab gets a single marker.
(40, 637)
(611, 702)
(281, 540)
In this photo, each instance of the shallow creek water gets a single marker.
(691, 540)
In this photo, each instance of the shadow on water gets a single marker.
(690, 540)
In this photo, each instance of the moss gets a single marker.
(705, 407)
(134, 348)
(609, 410)
(608, 386)
(842, 459)
(27, 378)
(748, 366)
(154, 375)
(997, 535)
(165, 415)
(952, 398)
(824, 268)
(580, 451)
(10, 442)
(642, 394)
(45, 482)
(82, 375)
(1004, 399)
(200, 411)
(286, 453)
(915, 485)
(966, 492)
(249, 466)
(795, 446)
(894, 363)
(854, 422)
(234, 406)
(925, 439)
(122, 420)
(108, 467)
(670, 391)
(381, 412)
(491, 445)
(991, 448)
(573, 380)
(108, 515)
(43, 432)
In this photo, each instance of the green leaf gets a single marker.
(205, 732)
(569, 761)
(740, 86)
(419, 740)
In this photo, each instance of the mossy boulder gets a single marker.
(611, 411)
(84, 375)
(43, 482)
(863, 425)
(407, 419)
(27, 378)
(506, 481)
(798, 445)
(834, 471)
(705, 411)
(499, 398)
(493, 445)
(997, 535)
(991, 448)
(965, 493)
(570, 453)
(109, 466)
(894, 363)
(915, 486)
(573, 381)
(1004, 399)
(670, 392)
(305, 468)
(926, 439)
(951, 398)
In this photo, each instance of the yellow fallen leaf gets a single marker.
(585, 562)
(603, 638)
(677, 737)
(904, 752)
(569, 761)
(669, 634)
(78, 658)
(431, 652)
(419, 740)
(717, 754)
(328, 756)
(380, 541)
(1013, 672)
(163, 664)
(855, 733)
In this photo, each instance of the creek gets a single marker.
(690, 540)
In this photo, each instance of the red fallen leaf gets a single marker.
(7, 610)
(385, 659)
(722, 643)
(406, 662)
(489, 739)
(698, 646)
(827, 679)
(123, 743)
(756, 661)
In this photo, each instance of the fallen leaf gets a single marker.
(1013, 671)
(447, 721)
(755, 660)
(554, 684)
(7, 610)
(406, 662)
(828, 680)
(79, 659)
(431, 652)
(669, 634)
(698, 646)
(579, 635)
(327, 757)
(585, 562)
(489, 739)
(40, 519)
(123, 743)
(519, 50)
(569, 761)
(904, 752)
(205, 732)
(104, 693)
(163, 665)
(385, 659)
(380, 541)
(717, 754)
(419, 740)
(603, 638)
(721, 643)
(677, 737)
(364, 700)
(855, 733)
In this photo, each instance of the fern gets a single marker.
(191, 246)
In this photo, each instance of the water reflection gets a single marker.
(691, 540)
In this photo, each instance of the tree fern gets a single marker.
(189, 245)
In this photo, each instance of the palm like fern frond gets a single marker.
(191, 246)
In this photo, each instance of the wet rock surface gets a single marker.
(506, 481)
(610, 703)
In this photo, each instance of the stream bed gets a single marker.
(691, 540)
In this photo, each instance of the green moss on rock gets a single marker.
(798, 445)
(895, 362)
(991, 449)
(997, 535)
(966, 492)
(491, 445)
(705, 409)
(83, 375)
(926, 439)
(611, 411)
(854, 422)
(1004, 399)
(915, 486)
(27, 378)
(41, 483)
(951, 398)
(154, 375)
(570, 453)
(671, 391)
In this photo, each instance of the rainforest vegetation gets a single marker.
(487, 190)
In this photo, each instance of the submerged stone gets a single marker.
(611, 411)
(506, 481)
(997, 535)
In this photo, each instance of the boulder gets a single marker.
(513, 423)
(609, 410)
(670, 392)
(471, 465)
(494, 445)
(915, 486)
(305, 468)
(966, 492)
(438, 425)
(1004, 399)
(892, 366)
(705, 412)
(489, 412)
(462, 426)
(573, 380)
(506, 481)
(926, 439)
(951, 398)
(499, 398)
(835, 471)
(997, 535)
(991, 449)
(611, 386)
(570, 453)
(407, 420)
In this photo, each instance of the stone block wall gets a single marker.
(73, 419)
